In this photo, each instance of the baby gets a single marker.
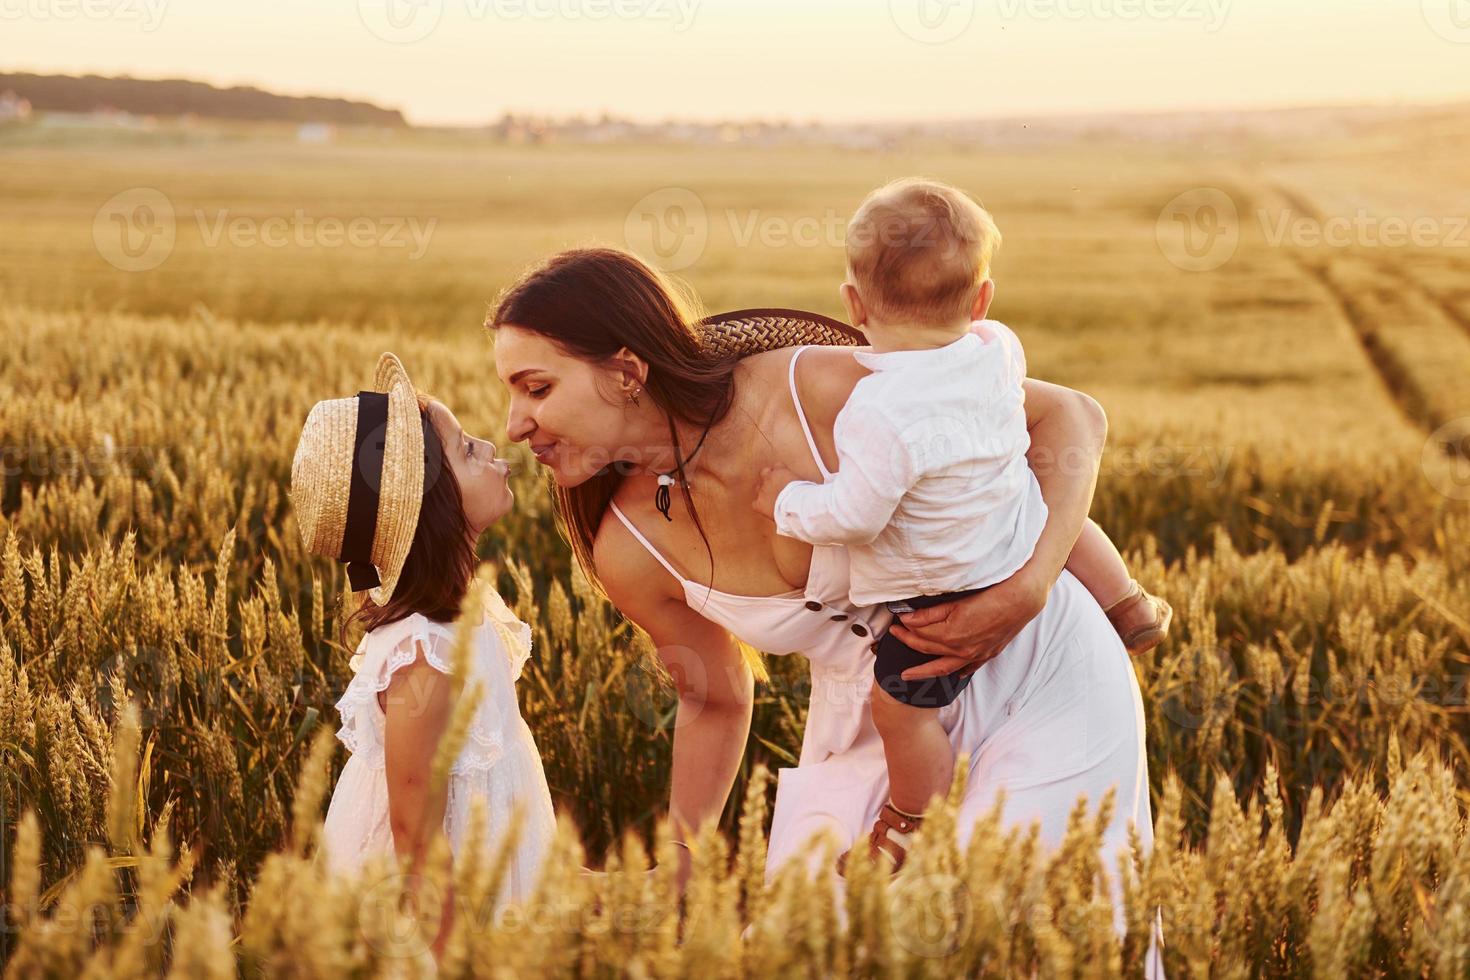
(933, 495)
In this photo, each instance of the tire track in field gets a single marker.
(1398, 381)
(1453, 439)
(1441, 303)
(1438, 301)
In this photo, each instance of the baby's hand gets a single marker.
(773, 480)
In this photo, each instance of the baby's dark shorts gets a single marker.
(895, 656)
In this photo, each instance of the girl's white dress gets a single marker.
(499, 761)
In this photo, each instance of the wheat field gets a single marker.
(1287, 463)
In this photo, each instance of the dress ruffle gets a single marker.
(388, 649)
(515, 634)
(498, 767)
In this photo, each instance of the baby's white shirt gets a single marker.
(933, 493)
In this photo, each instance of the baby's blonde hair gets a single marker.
(917, 250)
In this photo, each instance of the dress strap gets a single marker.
(646, 543)
(801, 415)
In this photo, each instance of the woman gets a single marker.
(656, 453)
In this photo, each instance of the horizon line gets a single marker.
(1053, 114)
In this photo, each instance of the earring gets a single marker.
(633, 395)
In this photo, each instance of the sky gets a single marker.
(469, 61)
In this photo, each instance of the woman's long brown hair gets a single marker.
(441, 561)
(591, 302)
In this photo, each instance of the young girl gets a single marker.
(389, 483)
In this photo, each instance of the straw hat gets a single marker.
(741, 333)
(357, 481)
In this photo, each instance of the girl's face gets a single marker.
(565, 408)
(481, 475)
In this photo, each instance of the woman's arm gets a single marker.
(715, 684)
(417, 706)
(1068, 430)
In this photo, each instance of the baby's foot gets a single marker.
(889, 839)
(1141, 619)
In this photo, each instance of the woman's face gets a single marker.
(481, 475)
(567, 410)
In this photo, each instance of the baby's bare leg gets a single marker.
(1142, 620)
(1098, 565)
(920, 758)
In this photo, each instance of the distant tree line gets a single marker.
(177, 97)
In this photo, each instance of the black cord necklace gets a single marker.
(661, 497)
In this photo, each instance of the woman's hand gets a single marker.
(686, 868)
(683, 872)
(966, 633)
(773, 480)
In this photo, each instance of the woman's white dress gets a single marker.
(499, 762)
(1055, 715)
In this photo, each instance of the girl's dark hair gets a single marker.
(591, 302)
(441, 561)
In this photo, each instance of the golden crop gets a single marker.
(168, 661)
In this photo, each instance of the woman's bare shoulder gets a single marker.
(625, 565)
(824, 374)
(825, 377)
(652, 598)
